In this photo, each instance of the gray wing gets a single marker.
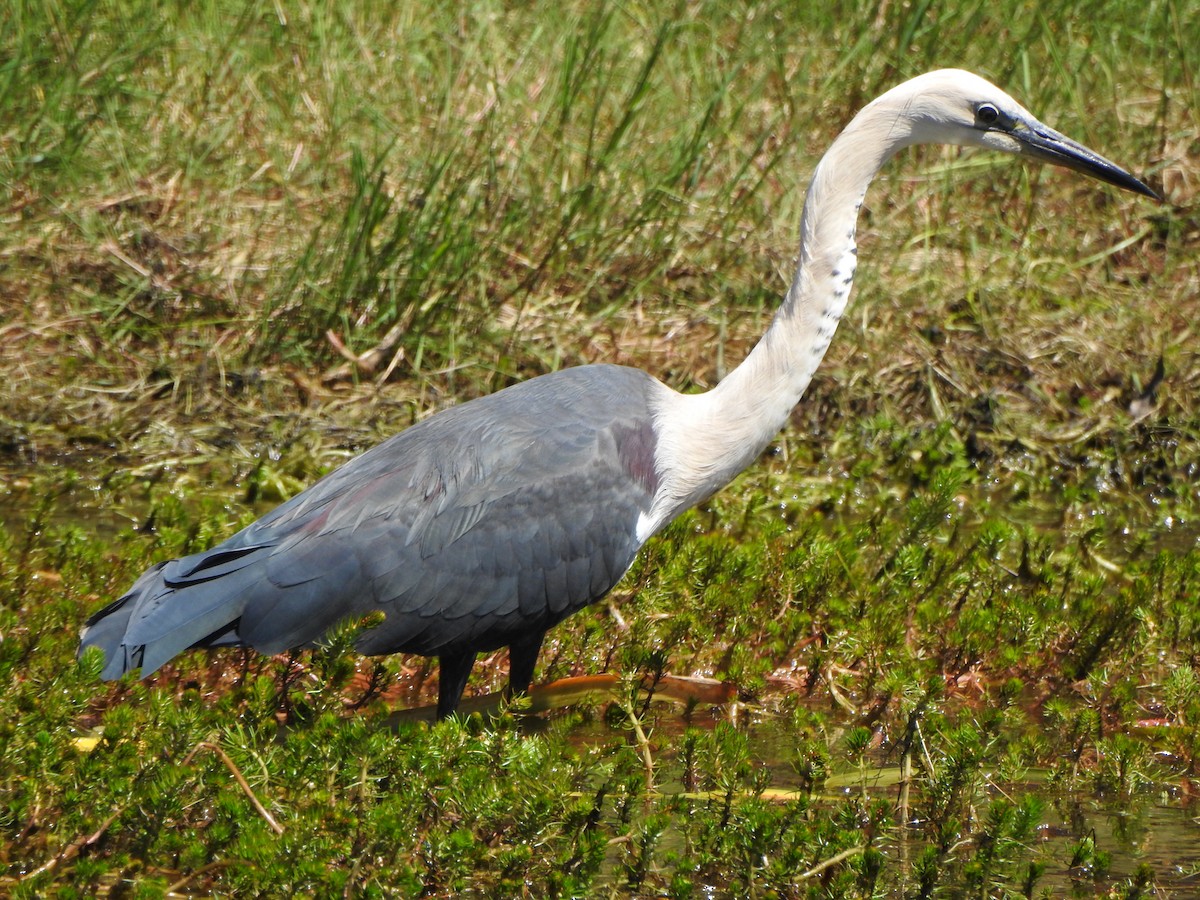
(467, 531)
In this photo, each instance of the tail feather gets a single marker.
(229, 596)
(165, 613)
(106, 630)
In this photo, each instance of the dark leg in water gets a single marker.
(454, 670)
(522, 657)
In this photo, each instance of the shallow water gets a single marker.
(1158, 827)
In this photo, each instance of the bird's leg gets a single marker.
(454, 670)
(522, 657)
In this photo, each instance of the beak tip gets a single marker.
(1137, 186)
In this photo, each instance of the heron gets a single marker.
(488, 523)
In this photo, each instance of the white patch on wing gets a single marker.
(647, 524)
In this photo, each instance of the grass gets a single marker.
(244, 241)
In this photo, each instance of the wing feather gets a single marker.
(467, 531)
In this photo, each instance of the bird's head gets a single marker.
(951, 106)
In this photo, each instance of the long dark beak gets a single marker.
(1048, 145)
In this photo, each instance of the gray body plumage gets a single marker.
(487, 524)
(479, 527)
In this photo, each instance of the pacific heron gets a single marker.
(485, 525)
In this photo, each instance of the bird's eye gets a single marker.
(986, 114)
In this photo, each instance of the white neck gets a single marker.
(704, 440)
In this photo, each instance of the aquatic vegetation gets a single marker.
(936, 651)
